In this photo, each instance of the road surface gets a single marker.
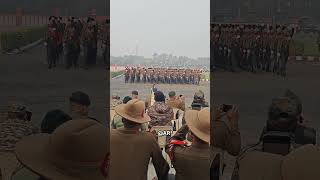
(26, 76)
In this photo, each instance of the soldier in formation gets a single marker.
(251, 47)
(104, 37)
(72, 43)
(89, 42)
(74, 35)
(162, 75)
(51, 42)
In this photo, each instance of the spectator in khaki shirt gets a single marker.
(175, 102)
(225, 131)
(192, 162)
(224, 134)
(132, 149)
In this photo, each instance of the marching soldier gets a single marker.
(52, 42)
(152, 76)
(254, 49)
(136, 145)
(60, 31)
(264, 49)
(250, 47)
(132, 74)
(144, 75)
(72, 43)
(284, 52)
(90, 42)
(127, 75)
(138, 75)
(105, 39)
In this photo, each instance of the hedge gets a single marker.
(115, 74)
(304, 44)
(17, 39)
(205, 75)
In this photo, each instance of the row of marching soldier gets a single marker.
(67, 39)
(251, 47)
(162, 75)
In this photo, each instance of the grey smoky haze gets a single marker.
(145, 27)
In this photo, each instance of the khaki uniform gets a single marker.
(130, 155)
(192, 162)
(176, 103)
(115, 102)
(224, 138)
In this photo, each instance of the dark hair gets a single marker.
(283, 122)
(80, 98)
(172, 94)
(52, 120)
(195, 136)
(126, 99)
(129, 124)
(135, 93)
(159, 96)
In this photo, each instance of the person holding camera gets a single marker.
(199, 101)
(176, 102)
(225, 136)
(225, 129)
(115, 100)
(285, 130)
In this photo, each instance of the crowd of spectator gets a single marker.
(64, 145)
(133, 138)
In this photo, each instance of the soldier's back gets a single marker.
(131, 152)
(192, 162)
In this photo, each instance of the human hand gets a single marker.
(233, 117)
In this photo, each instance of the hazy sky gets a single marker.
(180, 27)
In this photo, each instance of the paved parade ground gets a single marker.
(27, 77)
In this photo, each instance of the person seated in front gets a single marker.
(134, 95)
(79, 105)
(199, 101)
(52, 120)
(160, 113)
(117, 120)
(78, 149)
(132, 149)
(115, 100)
(176, 102)
(192, 162)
